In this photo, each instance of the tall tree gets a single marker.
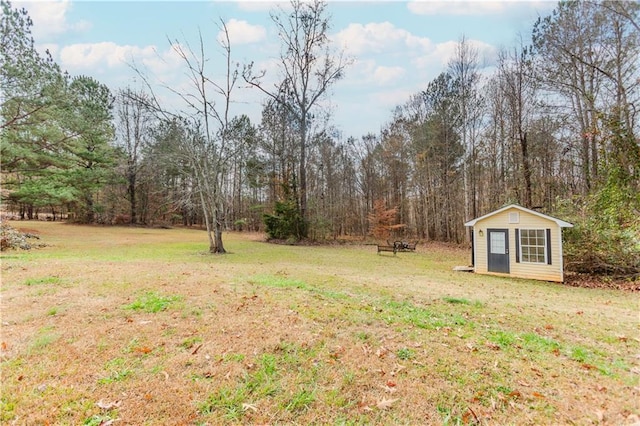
(463, 68)
(519, 90)
(134, 122)
(308, 68)
(56, 130)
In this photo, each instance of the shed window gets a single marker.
(533, 243)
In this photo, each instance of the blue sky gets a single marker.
(397, 46)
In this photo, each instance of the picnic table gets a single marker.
(397, 246)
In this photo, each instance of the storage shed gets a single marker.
(518, 242)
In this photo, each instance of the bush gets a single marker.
(605, 239)
(286, 222)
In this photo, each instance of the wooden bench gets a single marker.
(391, 248)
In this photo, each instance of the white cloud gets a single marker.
(392, 98)
(456, 7)
(377, 37)
(476, 7)
(263, 5)
(50, 18)
(107, 55)
(441, 54)
(241, 32)
(387, 75)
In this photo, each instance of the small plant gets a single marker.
(191, 342)
(152, 302)
(97, 420)
(44, 339)
(226, 400)
(502, 338)
(404, 354)
(456, 301)
(300, 401)
(580, 354)
(118, 371)
(363, 335)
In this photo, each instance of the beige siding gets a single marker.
(539, 271)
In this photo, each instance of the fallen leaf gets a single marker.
(548, 327)
(4, 346)
(493, 346)
(579, 312)
(588, 366)
(142, 350)
(385, 403)
(538, 395)
(247, 407)
(108, 405)
(390, 384)
(366, 349)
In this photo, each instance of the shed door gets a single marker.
(498, 250)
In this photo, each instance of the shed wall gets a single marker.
(539, 271)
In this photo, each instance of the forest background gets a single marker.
(554, 128)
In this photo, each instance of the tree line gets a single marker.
(553, 127)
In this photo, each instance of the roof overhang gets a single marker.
(559, 222)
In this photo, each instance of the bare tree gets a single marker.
(134, 123)
(308, 68)
(463, 67)
(207, 119)
(519, 90)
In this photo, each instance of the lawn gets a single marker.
(143, 326)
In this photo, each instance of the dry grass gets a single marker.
(143, 326)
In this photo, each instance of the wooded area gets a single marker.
(554, 128)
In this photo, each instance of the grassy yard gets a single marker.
(143, 326)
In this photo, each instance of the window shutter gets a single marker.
(517, 245)
(548, 246)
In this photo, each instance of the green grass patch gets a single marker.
(456, 301)
(502, 338)
(535, 342)
(152, 302)
(44, 338)
(190, 342)
(300, 401)
(42, 281)
(118, 371)
(278, 282)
